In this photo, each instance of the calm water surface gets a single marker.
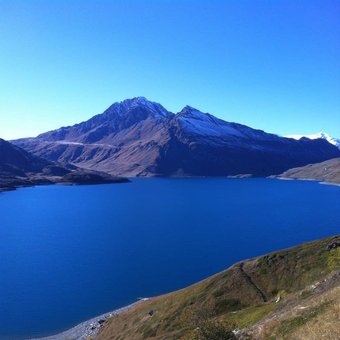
(70, 253)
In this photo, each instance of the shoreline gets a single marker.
(123, 180)
(88, 329)
(4, 189)
(319, 181)
(330, 183)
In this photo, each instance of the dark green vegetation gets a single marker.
(243, 297)
(328, 171)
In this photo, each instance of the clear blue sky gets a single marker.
(273, 65)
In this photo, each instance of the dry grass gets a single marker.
(326, 171)
(323, 326)
(315, 319)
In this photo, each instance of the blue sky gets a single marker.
(273, 65)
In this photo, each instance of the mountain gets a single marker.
(328, 171)
(20, 168)
(288, 294)
(320, 135)
(16, 161)
(137, 137)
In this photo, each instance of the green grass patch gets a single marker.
(306, 294)
(334, 259)
(250, 316)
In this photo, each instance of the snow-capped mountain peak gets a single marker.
(154, 107)
(322, 135)
(125, 106)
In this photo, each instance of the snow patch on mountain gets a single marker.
(120, 109)
(205, 124)
(322, 135)
(158, 110)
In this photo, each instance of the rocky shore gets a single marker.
(90, 328)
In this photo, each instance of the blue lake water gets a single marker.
(70, 253)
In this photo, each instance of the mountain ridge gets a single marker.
(14, 161)
(19, 168)
(137, 137)
(319, 135)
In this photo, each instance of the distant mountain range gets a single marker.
(137, 137)
(322, 135)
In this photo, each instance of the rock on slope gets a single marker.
(271, 296)
(137, 137)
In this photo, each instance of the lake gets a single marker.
(69, 253)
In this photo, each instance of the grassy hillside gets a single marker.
(311, 314)
(240, 297)
(328, 171)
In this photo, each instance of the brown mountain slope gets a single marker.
(237, 298)
(19, 168)
(328, 171)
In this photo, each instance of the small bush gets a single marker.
(148, 332)
(227, 305)
(212, 330)
(217, 293)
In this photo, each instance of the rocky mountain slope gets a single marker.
(328, 171)
(137, 137)
(280, 295)
(19, 168)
